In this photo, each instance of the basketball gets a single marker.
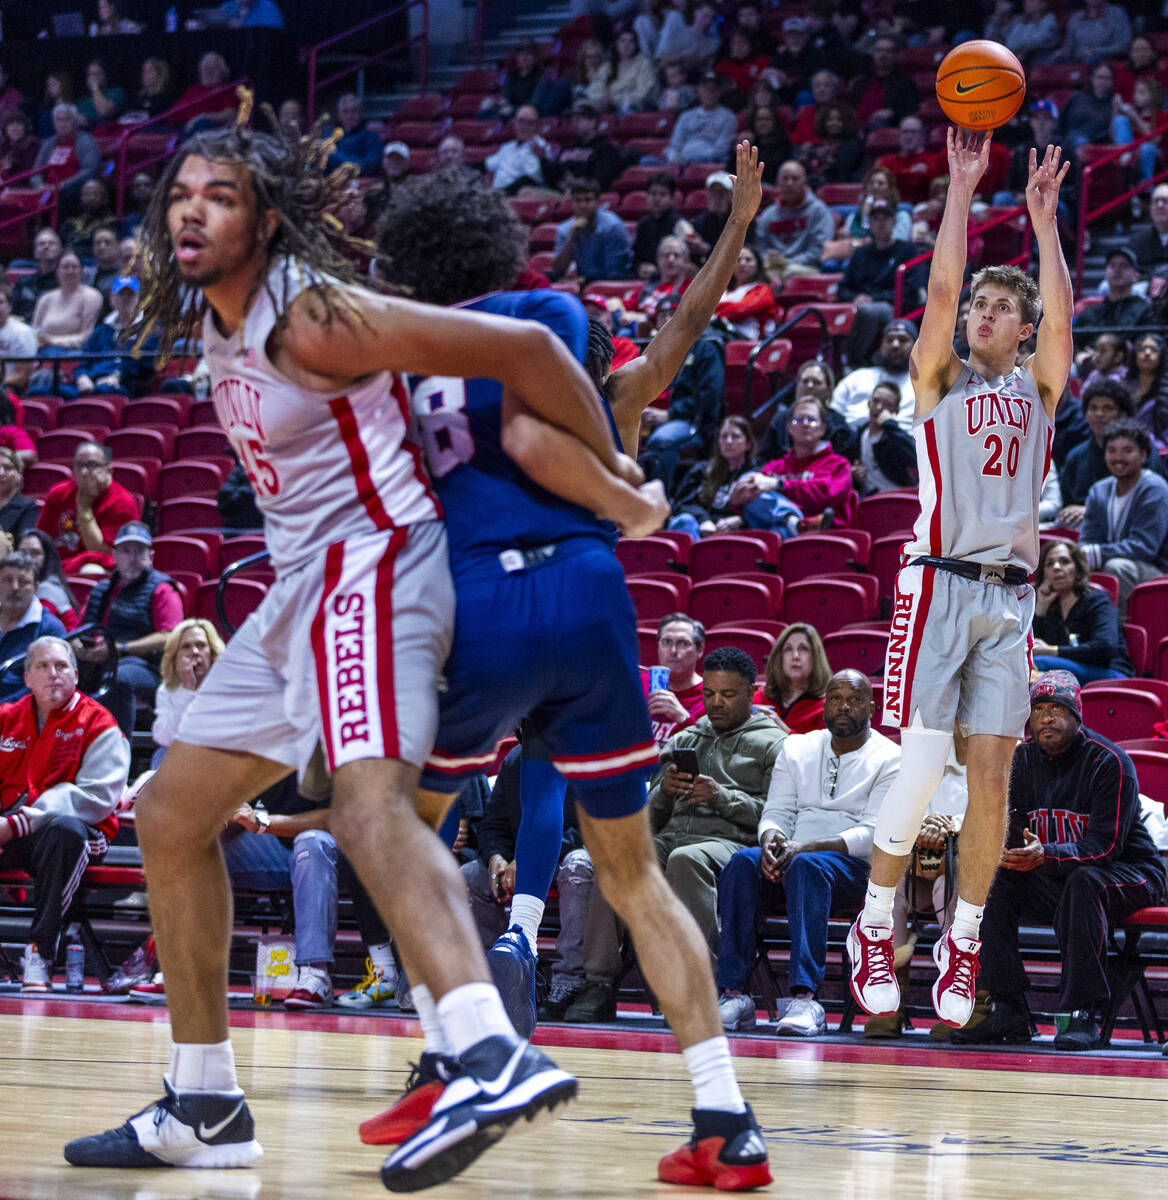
(980, 85)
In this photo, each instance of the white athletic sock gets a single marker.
(527, 912)
(381, 956)
(432, 1032)
(967, 920)
(202, 1067)
(878, 906)
(471, 1013)
(712, 1072)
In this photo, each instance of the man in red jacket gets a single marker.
(63, 767)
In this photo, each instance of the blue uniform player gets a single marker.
(545, 630)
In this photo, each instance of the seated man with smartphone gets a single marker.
(705, 804)
(1079, 856)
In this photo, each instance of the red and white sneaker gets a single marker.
(726, 1152)
(427, 1081)
(873, 973)
(153, 992)
(955, 991)
(314, 989)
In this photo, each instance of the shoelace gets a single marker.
(878, 960)
(965, 969)
(373, 976)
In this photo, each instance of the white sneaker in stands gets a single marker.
(34, 972)
(314, 989)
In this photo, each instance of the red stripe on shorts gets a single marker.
(935, 469)
(346, 420)
(383, 637)
(919, 618)
(333, 561)
(398, 392)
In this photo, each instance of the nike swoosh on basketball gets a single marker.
(962, 88)
(497, 1086)
(206, 1134)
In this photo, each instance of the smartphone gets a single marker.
(686, 759)
(1017, 828)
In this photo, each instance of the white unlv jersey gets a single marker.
(982, 454)
(324, 466)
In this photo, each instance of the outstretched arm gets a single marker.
(933, 365)
(1051, 361)
(634, 386)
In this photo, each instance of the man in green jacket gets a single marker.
(700, 817)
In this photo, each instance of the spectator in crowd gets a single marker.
(748, 304)
(1149, 384)
(131, 260)
(1103, 402)
(18, 146)
(1086, 119)
(104, 102)
(792, 231)
(13, 437)
(593, 155)
(1097, 32)
(1125, 527)
(93, 211)
(252, 14)
(811, 481)
(705, 133)
(111, 22)
(18, 513)
(106, 260)
(519, 162)
(813, 381)
(1033, 35)
(826, 88)
(122, 371)
(155, 94)
(52, 586)
(11, 99)
(520, 83)
(796, 676)
(593, 238)
(68, 158)
(490, 883)
(205, 104)
(1143, 114)
(139, 605)
(66, 316)
(1141, 59)
(141, 189)
(814, 853)
(23, 618)
(681, 639)
(853, 392)
(17, 339)
(46, 253)
(673, 276)
(1108, 361)
(394, 166)
(774, 145)
(1043, 120)
(741, 65)
(1085, 861)
(795, 60)
(877, 186)
(883, 454)
(708, 225)
(358, 143)
(236, 501)
(689, 39)
(591, 66)
(869, 281)
(675, 93)
(83, 515)
(660, 221)
(62, 777)
(701, 505)
(451, 155)
(630, 82)
(191, 649)
(1149, 243)
(1076, 626)
(58, 90)
(700, 818)
(835, 152)
(749, 18)
(914, 165)
(290, 115)
(886, 94)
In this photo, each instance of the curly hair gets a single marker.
(598, 356)
(446, 237)
(287, 175)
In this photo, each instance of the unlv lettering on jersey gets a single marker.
(239, 405)
(989, 409)
(349, 654)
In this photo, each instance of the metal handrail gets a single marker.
(311, 54)
(1087, 216)
(225, 576)
(789, 323)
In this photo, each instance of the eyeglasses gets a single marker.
(676, 643)
(804, 421)
(833, 769)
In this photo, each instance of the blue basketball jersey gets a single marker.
(490, 504)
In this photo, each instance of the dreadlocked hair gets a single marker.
(598, 356)
(446, 237)
(287, 174)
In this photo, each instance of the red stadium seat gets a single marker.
(718, 601)
(421, 108)
(1152, 772)
(96, 412)
(1120, 712)
(1158, 688)
(43, 475)
(634, 179)
(754, 642)
(200, 441)
(827, 604)
(543, 237)
(654, 598)
(840, 193)
(735, 391)
(476, 133)
(816, 554)
(647, 643)
(1108, 583)
(156, 442)
(173, 552)
(1148, 608)
(419, 133)
(174, 516)
(233, 549)
(731, 554)
(646, 124)
(642, 556)
(241, 597)
(1136, 640)
(189, 477)
(143, 469)
(202, 412)
(61, 444)
(888, 512)
(869, 583)
(45, 408)
(806, 336)
(532, 212)
(158, 410)
(856, 649)
(816, 289)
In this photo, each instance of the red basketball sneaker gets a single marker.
(726, 1152)
(426, 1083)
(873, 975)
(955, 991)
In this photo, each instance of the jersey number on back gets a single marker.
(995, 449)
(262, 475)
(439, 405)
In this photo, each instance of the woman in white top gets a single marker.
(191, 648)
(630, 82)
(66, 316)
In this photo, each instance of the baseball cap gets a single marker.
(882, 206)
(600, 301)
(720, 179)
(133, 531)
(899, 325)
(1123, 252)
(1046, 106)
(1057, 687)
(125, 283)
(794, 25)
(397, 148)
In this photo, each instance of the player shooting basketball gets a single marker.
(963, 607)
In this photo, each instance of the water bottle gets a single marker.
(171, 21)
(75, 967)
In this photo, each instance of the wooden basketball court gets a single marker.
(848, 1121)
